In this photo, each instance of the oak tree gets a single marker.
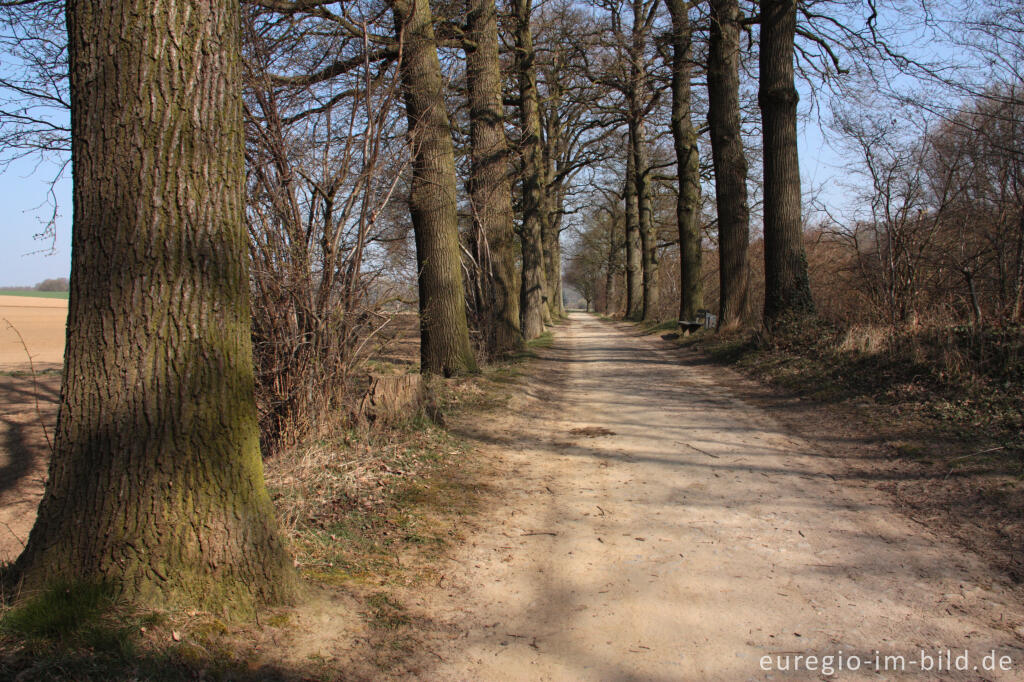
(155, 485)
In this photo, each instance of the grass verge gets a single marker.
(368, 513)
(963, 386)
(946, 403)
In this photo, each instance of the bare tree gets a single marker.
(490, 188)
(684, 135)
(534, 309)
(787, 286)
(634, 247)
(323, 159)
(730, 161)
(155, 484)
(444, 331)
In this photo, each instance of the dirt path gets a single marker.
(697, 538)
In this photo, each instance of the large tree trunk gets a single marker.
(533, 306)
(156, 486)
(645, 215)
(787, 288)
(609, 275)
(691, 290)
(553, 252)
(634, 252)
(554, 195)
(444, 333)
(636, 96)
(490, 190)
(730, 162)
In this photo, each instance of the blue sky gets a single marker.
(24, 188)
(24, 191)
(24, 196)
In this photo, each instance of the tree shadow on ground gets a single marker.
(27, 408)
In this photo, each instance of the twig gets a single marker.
(703, 452)
(540, 532)
(14, 534)
(979, 452)
(35, 383)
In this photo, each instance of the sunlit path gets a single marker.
(659, 528)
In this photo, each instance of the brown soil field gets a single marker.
(40, 322)
(27, 407)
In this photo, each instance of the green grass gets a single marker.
(70, 631)
(386, 612)
(70, 613)
(545, 340)
(653, 327)
(352, 503)
(34, 294)
(529, 349)
(83, 633)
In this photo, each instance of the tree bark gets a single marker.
(730, 162)
(552, 146)
(532, 303)
(444, 332)
(645, 215)
(611, 263)
(490, 190)
(787, 287)
(634, 252)
(691, 289)
(155, 485)
(636, 99)
(553, 252)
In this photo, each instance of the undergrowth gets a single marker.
(959, 383)
(83, 632)
(348, 505)
(367, 512)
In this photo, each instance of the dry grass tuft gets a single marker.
(351, 505)
(864, 339)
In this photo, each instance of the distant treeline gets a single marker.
(59, 284)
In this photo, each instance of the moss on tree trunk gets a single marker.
(645, 227)
(534, 308)
(156, 486)
(444, 331)
(634, 252)
(489, 186)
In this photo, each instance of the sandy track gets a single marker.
(41, 323)
(697, 539)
